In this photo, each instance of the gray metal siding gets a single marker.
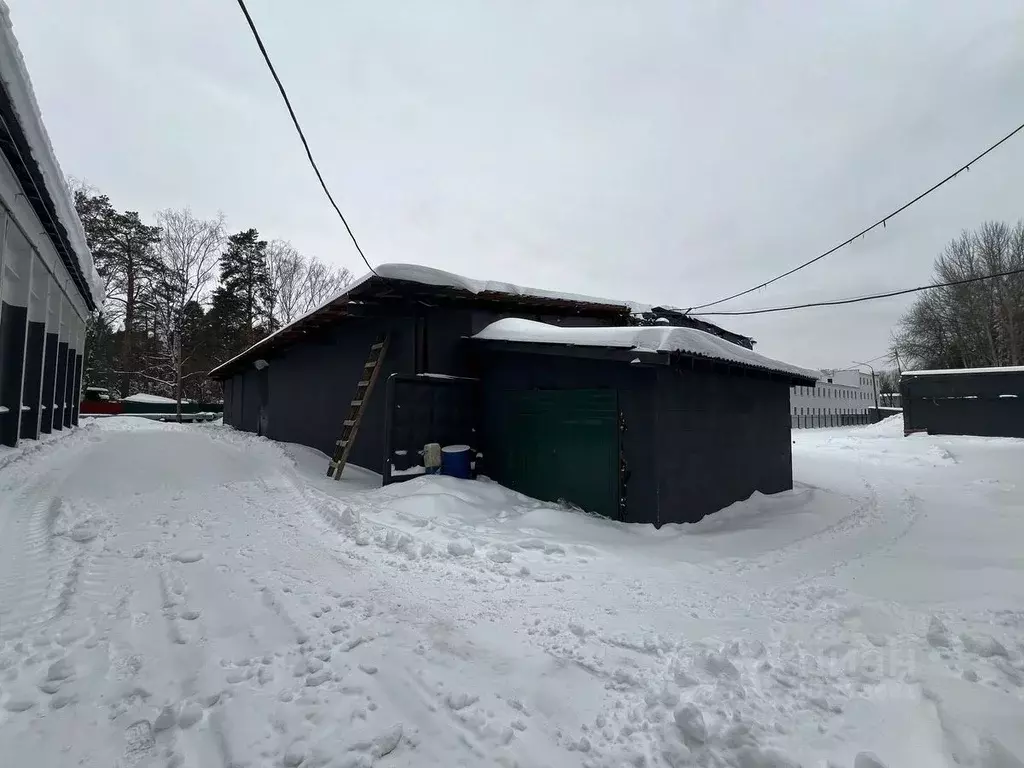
(721, 437)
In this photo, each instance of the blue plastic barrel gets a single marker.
(456, 461)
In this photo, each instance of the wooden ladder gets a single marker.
(349, 428)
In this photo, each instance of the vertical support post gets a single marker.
(61, 386)
(69, 386)
(35, 333)
(79, 363)
(14, 311)
(54, 304)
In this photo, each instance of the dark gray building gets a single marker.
(638, 413)
(48, 285)
(968, 401)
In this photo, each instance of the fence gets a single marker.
(832, 420)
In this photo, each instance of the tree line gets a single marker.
(972, 325)
(183, 295)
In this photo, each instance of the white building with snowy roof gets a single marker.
(839, 397)
(48, 282)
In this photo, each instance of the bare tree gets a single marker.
(287, 268)
(974, 324)
(888, 382)
(300, 283)
(188, 251)
(323, 283)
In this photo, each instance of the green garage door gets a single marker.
(562, 445)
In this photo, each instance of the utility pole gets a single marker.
(874, 385)
(896, 354)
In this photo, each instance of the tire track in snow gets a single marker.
(37, 574)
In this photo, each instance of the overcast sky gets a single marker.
(657, 150)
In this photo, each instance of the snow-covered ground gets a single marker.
(192, 596)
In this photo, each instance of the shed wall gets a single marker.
(311, 383)
(503, 372)
(250, 401)
(720, 438)
(233, 415)
(226, 387)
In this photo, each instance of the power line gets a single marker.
(858, 299)
(298, 128)
(880, 223)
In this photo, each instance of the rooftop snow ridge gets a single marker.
(654, 338)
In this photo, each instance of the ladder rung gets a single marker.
(351, 425)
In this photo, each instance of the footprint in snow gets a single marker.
(83, 533)
(187, 556)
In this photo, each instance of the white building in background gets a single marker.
(837, 393)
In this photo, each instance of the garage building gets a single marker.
(638, 413)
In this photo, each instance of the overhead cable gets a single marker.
(302, 136)
(880, 223)
(858, 299)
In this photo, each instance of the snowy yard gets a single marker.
(193, 596)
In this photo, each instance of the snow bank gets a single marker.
(658, 338)
(870, 617)
(16, 80)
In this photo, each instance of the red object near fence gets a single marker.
(105, 407)
(97, 402)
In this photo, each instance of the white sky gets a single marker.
(657, 150)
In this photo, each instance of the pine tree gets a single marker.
(243, 304)
(100, 351)
(123, 249)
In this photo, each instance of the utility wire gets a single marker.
(298, 128)
(858, 299)
(880, 223)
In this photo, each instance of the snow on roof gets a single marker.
(18, 85)
(654, 338)
(144, 398)
(956, 371)
(416, 273)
